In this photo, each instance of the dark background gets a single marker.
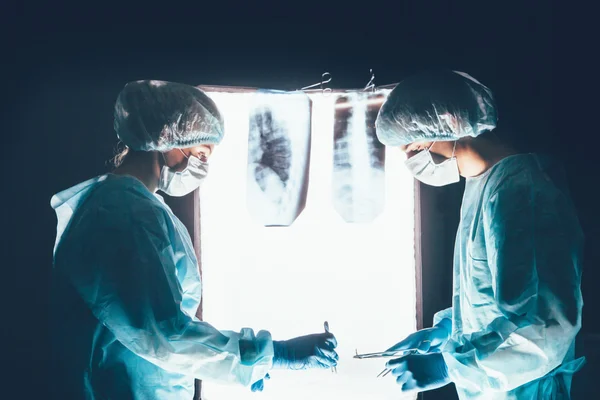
(66, 64)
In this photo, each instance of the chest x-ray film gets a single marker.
(279, 135)
(289, 280)
(358, 181)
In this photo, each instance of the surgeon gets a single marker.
(517, 302)
(126, 280)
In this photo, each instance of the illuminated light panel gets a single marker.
(358, 277)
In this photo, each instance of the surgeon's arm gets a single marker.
(443, 318)
(532, 254)
(128, 280)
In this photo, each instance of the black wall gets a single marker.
(66, 65)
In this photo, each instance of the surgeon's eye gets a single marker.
(411, 153)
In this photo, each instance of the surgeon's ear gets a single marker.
(175, 159)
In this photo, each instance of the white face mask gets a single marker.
(180, 183)
(425, 170)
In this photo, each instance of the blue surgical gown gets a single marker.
(516, 306)
(126, 290)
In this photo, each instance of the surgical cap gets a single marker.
(436, 106)
(160, 116)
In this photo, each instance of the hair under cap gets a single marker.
(160, 116)
(436, 106)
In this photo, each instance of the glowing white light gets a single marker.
(366, 102)
(359, 278)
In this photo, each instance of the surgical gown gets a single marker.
(517, 301)
(126, 289)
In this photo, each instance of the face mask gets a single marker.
(425, 170)
(180, 183)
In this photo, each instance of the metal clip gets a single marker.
(371, 83)
(325, 78)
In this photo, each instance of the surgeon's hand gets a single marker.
(304, 352)
(429, 340)
(258, 386)
(420, 372)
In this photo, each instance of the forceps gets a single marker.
(386, 354)
(326, 326)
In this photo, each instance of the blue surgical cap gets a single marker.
(436, 106)
(160, 116)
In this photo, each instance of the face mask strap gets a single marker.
(164, 161)
(454, 148)
(183, 153)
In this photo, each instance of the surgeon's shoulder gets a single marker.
(127, 200)
(522, 186)
(512, 176)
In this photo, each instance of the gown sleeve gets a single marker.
(121, 262)
(533, 245)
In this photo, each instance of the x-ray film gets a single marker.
(278, 156)
(358, 183)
